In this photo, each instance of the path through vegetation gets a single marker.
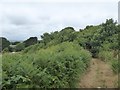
(99, 74)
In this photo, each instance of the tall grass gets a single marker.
(108, 56)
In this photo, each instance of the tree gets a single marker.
(15, 43)
(109, 28)
(46, 38)
(30, 41)
(87, 27)
(67, 34)
(4, 43)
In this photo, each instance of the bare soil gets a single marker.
(99, 75)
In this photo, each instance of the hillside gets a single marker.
(63, 57)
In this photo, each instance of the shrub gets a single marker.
(54, 67)
(115, 66)
(108, 56)
(19, 47)
(33, 48)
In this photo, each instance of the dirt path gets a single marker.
(99, 74)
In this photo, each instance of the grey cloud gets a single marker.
(20, 21)
(25, 20)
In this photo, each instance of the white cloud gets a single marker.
(31, 1)
(22, 20)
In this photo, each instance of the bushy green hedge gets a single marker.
(58, 66)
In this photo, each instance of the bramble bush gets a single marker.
(57, 66)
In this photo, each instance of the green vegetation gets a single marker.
(7, 46)
(60, 58)
(15, 43)
(112, 58)
(30, 41)
(54, 67)
(19, 47)
(4, 43)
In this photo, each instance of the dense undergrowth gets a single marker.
(58, 66)
(60, 58)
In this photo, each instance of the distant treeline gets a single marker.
(8, 46)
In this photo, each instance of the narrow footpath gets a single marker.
(99, 75)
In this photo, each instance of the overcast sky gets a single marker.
(21, 19)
